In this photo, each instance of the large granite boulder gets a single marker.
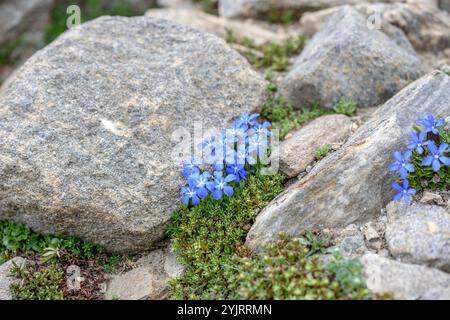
(353, 184)
(348, 60)
(86, 126)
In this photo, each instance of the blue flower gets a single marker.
(261, 129)
(417, 142)
(199, 182)
(246, 121)
(219, 186)
(404, 192)
(401, 164)
(191, 167)
(258, 144)
(436, 156)
(238, 171)
(190, 192)
(243, 155)
(431, 124)
(235, 134)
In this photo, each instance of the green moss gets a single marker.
(288, 269)
(7, 50)
(346, 106)
(323, 152)
(38, 283)
(270, 55)
(90, 9)
(208, 236)
(208, 6)
(282, 16)
(282, 115)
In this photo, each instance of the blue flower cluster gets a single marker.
(230, 156)
(419, 142)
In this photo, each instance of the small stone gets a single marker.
(419, 234)
(404, 281)
(431, 198)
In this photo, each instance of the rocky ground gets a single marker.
(89, 124)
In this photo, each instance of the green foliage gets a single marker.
(282, 16)
(346, 106)
(38, 283)
(208, 6)
(348, 273)
(322, 152)
(207, 236)
(425, 177)
(90, 9)
(17, 238)
(287, 270)
(7, 50)
(271, 55)
(282, 115)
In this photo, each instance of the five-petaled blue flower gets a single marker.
(191, 167)
(261, 129)
(190, 192)
(431, 124)
(246, 121)
(219, 186)
(436, 156)
(401, 164)
(403, 192)
(199, 181)
(258, 144)
(238, 171)
(417, 142)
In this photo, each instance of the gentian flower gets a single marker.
(191, 167)
(261, 129)
(190, 192)
(436, 156)
(238, 171)
(219, 186)
(403, 192)
(243, 155)
(401, 164)
(431, 124)
(417, 142)
(199, 181)
(246, 121)
(258, 144)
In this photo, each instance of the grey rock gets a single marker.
(259, 32)
(431, 198)
(352, 184)
(6, 280)
(351, 241)
(419, 234)
(297, 152)
(426, 27)
(148, 280)
(348, 60)
(257, 8)
(444, 5)
(87, 124)
(404, 281)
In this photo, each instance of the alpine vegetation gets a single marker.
(426, 162)
(227, 159)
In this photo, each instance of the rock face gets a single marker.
(419, 234)
(348, 60)
(444, 5)
(6, 280)
(298, 151)
(353, 184)
(426, 27)
(404, 281)
(255, 8)
(149, 280)
(220, 26)
(86, 126)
